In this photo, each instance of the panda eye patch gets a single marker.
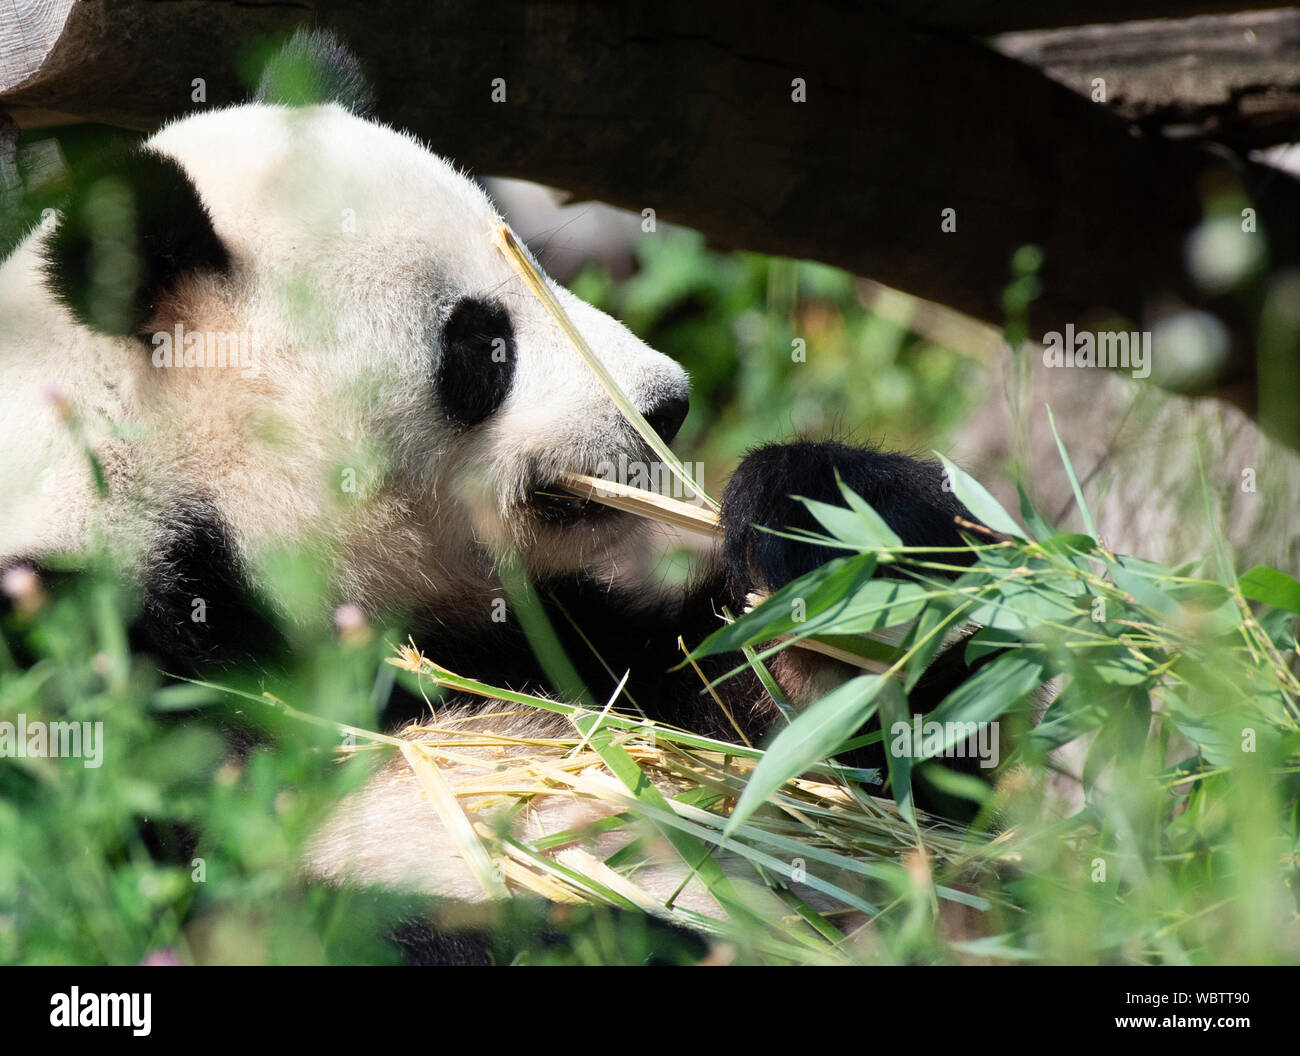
(476, 361)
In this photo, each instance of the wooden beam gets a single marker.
(1234, 79)
(690, 109)
(987, 17)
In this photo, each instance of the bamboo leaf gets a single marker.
(977, 499)
(1271, 587)
(828, 584)
(893, 710)
(989, 693)
(809, 739)
(1084, 512)
(1037, 525)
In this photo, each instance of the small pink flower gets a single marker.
(22, 586)
(350, 621)
(165, 958)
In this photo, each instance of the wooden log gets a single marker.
(1234, 79)
(692, 110)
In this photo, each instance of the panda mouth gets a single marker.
(552, 504)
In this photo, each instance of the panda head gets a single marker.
(403, 400)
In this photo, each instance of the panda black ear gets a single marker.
(313, 67)
(133, 226)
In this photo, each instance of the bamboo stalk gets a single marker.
(643, 503)
(527, 270)
(815, 645)
(454, 820)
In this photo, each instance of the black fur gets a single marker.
(314, 68)
(194, 573)
(523, 932)
(907, 493)
(476, 361)
(604, 631)
(133, 226)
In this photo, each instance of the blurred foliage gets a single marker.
(95, 861)
(183, 844)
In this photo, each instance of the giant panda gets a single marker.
(392, 347)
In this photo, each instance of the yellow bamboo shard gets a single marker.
(455, 821)
(844, 656)
(519, 260)
(648, 504)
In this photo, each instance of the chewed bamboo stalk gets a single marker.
(647, 504)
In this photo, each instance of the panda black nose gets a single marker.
(666, 416)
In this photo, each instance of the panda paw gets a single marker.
(908, 493)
